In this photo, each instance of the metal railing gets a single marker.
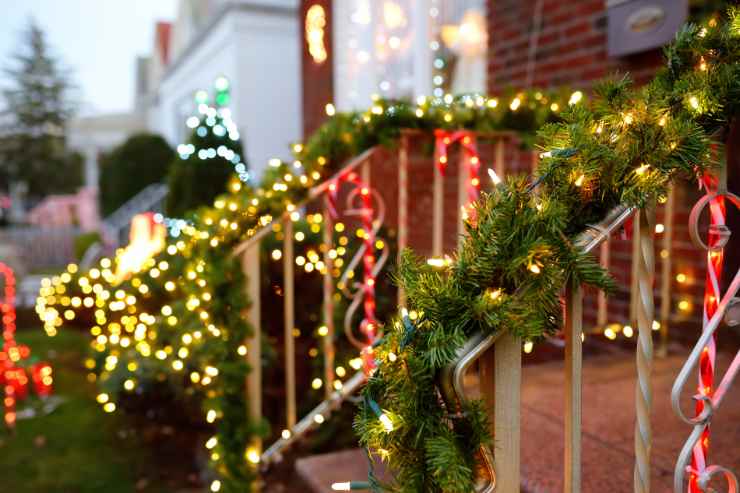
(150, 199)
(249, 252)
(500, 366)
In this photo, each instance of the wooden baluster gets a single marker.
(463, 176)
(250, 263)
(666, 263)
(438, 211)
(499, 164)
(403, 204)
(645, 310)
(328, 306)
(289, 322)
(573, 386)
(602, 315)
(634, 296)
(507, 412)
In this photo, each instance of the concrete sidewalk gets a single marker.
(608, 429)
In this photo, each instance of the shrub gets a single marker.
(140, 161)
(85, 241)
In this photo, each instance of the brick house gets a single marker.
(572, 51)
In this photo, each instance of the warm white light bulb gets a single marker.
(386, 421)
(494, 177)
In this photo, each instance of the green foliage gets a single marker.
(141, 160)
(519, 250)
(194, 181)
(34, 153)
(85, 241)
(75, 436)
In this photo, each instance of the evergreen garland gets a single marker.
(518, 252)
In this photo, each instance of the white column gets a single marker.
(422, 62)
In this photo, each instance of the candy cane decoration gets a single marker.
(443, 139)
(712, 294)
(371, 267)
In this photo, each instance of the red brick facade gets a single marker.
(572, 52)
(572, 49)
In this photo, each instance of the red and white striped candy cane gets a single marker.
(712, 296)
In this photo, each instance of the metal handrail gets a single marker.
(452, 377)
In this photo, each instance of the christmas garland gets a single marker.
(518, 253)
(180, 318)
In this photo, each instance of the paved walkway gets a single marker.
(608, 422)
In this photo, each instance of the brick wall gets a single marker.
(318, 87)
(572, 48)
(572, 52)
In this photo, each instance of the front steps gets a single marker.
(320, 471)
(608, 429)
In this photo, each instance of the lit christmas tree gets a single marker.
(210, 157)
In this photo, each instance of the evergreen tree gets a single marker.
(209, 158)
(33, 151)
(141, 160)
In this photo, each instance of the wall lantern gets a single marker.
(640, 25)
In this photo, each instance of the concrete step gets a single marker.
(321, 471)
(608, 429)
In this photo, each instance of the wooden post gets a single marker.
(603, 308)
(462, 189)
(250, 263)
(403, 204)
(499, 165)
(438, 208)
(366, 171)
(535, 161)
(666, 262)
(573, 384)
(507, 412)
(328, 306)
(289, 322)
(634, 295)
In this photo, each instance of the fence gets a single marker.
(41, 247)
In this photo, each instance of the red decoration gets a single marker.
(712, 296)
(369, 323)
(445, 138)
(13, 377)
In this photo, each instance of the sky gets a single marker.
(98, 40)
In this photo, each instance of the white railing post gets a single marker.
(250, 263)
(645, 311)
(573, 386)
(289, 322)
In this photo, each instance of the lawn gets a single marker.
(77, 448)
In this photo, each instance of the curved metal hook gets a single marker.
(721, 231)
(357, 299)
(377, 222)
(712, 471)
